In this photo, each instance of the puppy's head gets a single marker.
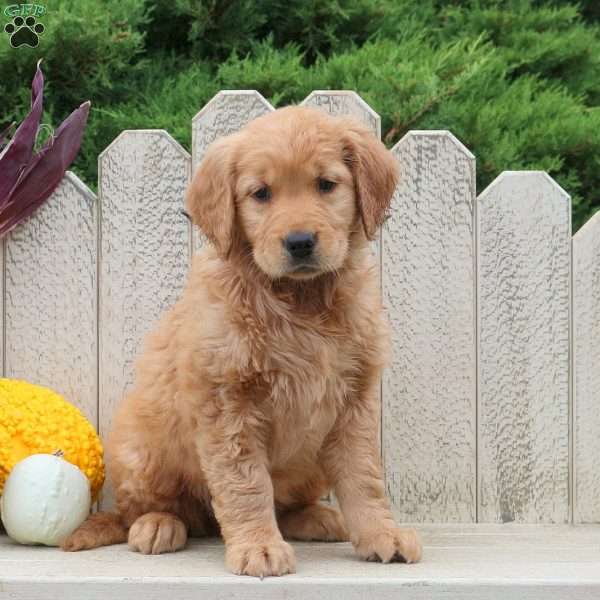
(297, 187)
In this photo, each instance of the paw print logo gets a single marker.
(24, 32)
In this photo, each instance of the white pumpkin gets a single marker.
(45, 499)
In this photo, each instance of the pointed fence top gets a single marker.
(524, 182)
(344, 102)
(227, 112)
(432, 133)
(129, 134)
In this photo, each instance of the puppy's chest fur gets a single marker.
(307, 369)
(292, 361)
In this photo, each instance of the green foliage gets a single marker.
(550, 41)
(518, 81)
(216, 28)
(91, 50)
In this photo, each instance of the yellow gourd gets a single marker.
(36, 420)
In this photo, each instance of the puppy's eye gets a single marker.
(325, 185)
(263, 194)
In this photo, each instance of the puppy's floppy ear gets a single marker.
(210, 197)
(375, 172)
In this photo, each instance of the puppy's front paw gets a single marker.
(156, 533)
(261, 559)
(390, 545)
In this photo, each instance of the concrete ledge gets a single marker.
(460, 561)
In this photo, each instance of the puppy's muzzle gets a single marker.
(300, 245)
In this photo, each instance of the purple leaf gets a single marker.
(72, 127)
(18, 153)
(45, 171)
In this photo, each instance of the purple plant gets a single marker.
(26, 178)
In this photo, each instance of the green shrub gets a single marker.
(91, 50)
(215, 28)
(550, 42)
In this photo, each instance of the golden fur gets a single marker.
(257, 393)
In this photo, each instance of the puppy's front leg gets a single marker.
(234, 462)
(350, 458)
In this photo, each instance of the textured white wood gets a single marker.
(586, 362)
(344, 102)
(228, 112)
(524, 230)
(428, 277)
(145, 250)
(474, 562)
(50, 296)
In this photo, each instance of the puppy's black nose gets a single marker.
(300, 244)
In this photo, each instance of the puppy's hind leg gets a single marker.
(300, 514)
(99, 529)
(316, 522)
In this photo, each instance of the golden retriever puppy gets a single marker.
(258, 391)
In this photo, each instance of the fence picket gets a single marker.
(429, 428)
(145, 250)
(586, 371)
(50, 296)
(524, 240)
(227, 112)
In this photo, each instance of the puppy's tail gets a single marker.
(100, 529)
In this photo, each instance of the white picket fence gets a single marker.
(491, 406)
